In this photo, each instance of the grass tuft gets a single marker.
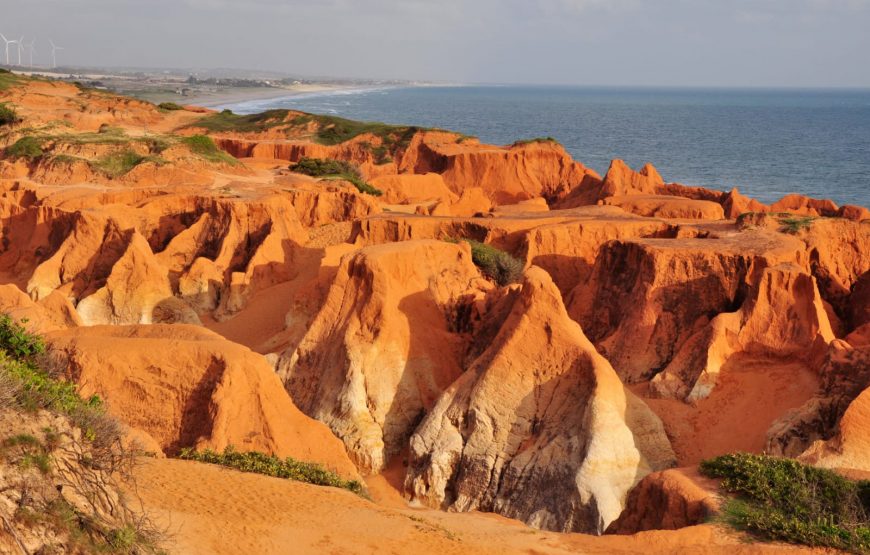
(270, 465)
(8, 79)
(8, 115)
(31, 387)
(118, 163)
(796, 224)
(26, 147)
(204, 147)
(83, 534)
(784, 500)
(328, 168)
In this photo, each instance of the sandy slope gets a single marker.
(212, 510)
(752, 393)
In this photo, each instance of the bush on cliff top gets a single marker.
(329, 130)
(328, 168)
(170, 106)
(333, 130)
(204, 146)
(27, 385)
(496, 264)
(118, 163)
(794, 224)
(270, 465)
(784, 500)
(26, 147)
(227, 121)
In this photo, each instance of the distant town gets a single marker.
(162, 84)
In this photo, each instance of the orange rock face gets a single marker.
(668, 500)
(647, 297)
(783, 316)
(662, 206)
(800, 204)
(385, 344)
(209, 393)
(413, 188)
(513, 423)
(506, 175)
(817, 427)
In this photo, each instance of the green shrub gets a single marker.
(271, 465)
(8, 115)
(784, 500)
(333, 130)
(325, 167)
(204, 146)
(107, 135)
(252, 123)
(35, 388)
(170, 106)
(25, 384)
(381, 155)
(330, 130)
(496, 264)
(795, 224)
(118, 163)
(328, 168)
(26, 147)
(17, 342)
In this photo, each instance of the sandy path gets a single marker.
(212, 510)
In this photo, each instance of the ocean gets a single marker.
(768, 143)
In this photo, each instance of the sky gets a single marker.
(705, 43)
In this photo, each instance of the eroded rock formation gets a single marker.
(208, 393)
(385, 344)
(668, 500)
(539, 427)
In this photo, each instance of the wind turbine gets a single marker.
(20, 48)
(8, 42)
(54, 49)
(31, 48)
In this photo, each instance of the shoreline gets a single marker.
(236, 98)
(237, 95)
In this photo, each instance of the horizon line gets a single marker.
(412, 82)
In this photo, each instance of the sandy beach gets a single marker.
(233, 95)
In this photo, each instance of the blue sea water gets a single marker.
(765, 142)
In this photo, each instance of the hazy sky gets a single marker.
(610, 42)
